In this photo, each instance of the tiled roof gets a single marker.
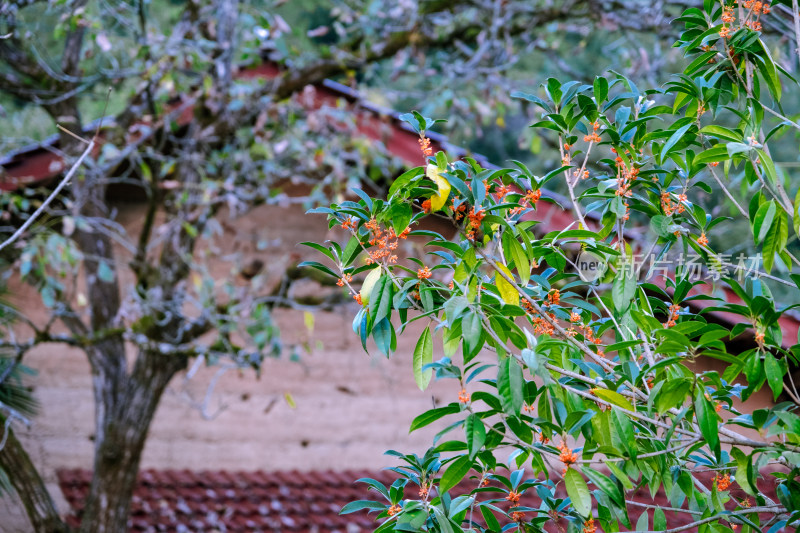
(303, 502)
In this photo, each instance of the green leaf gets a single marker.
(620, 475)
(774, 374)
(471, 329)
(600, 89)
(423, 355)
(404, 179)
(738, 148)
(661, 225)
(721, 132)
(714, 154)
(606, 485)
(351, 251)
(433, 415)
(775, 241)
(453, 308)
(613, 397)
(659, 520)
(744, 466)
(672, 394)
(763, 220)
(360, 505)
(491, 521)
(707, 419)
(514, 250)
(445, 526)
(622, 290)
(673, 140)
(380, 304)
(476, 434)
(510, 383)
(578, 492)
(643, 523)
(401, 215)
(768, 165)
(455, 473)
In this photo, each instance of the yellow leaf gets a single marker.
(507, 291)
(369, 283)
(613, 397)
(438, 200)
(289, 400)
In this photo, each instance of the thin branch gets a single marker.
(17, 234)
(773, 510)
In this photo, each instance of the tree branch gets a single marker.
(30, 487)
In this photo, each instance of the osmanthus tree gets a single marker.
(194, 138)
(589, 385)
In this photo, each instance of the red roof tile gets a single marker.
(307, 502)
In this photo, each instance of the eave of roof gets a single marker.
(171, 500)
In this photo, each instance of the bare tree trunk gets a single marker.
(124, 431)
(30, 487)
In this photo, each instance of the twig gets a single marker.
(17, 234)
(796, 17)
(774, 510)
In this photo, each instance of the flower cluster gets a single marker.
(347, 278)
(393, 510)
(463, 396)
(593, 137)
(424, 273)
(513, 497)
(625, 176)
(589, 526)
(568, 457)
(349, 223)
(501, 192)
(669, 206)
(722, 482)
(750, 20)
(386, 242)
(673, 315)
(423, 491)
(553, 297)
(475, 220)
(425, 145)
(542, 326)
(458, 212)
(529, 200)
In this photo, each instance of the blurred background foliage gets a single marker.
(500, 48)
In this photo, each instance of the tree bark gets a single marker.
(124, 431)
(30, 487)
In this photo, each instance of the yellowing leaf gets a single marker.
(507, 291)
(369, 283)
(438, 200)
(613, 397)
(289, 399)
